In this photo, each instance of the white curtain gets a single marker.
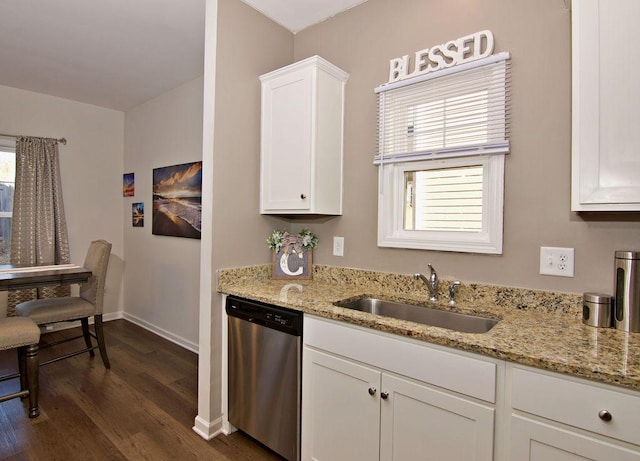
(39, 230)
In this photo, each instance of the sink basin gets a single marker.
(456, 321)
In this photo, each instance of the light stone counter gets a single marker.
(536, 328)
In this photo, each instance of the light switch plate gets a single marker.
(557, 261)
(338, 246)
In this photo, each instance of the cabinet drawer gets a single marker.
(536, 441)
(456, 371)
(578, 404)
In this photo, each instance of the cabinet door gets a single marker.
(537, 441)
(420, 422)
(340, 415)
(286, 141)
(605, 138)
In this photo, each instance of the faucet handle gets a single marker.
(453, 286)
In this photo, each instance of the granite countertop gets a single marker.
(536, 328)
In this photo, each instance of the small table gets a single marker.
(19, 277)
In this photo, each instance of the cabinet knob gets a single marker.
(605, 416)
(384, 395)
(303, 196)
(372, 391)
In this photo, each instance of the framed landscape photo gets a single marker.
(128, 185)
(292, 265)
(137, 214)
(177, 200)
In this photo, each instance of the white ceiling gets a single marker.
(296, 15)
(120, 53)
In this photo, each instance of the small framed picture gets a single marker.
(292, 265)
(137, 214)
(128, 185)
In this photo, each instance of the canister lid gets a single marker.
(597, 298)
(627, 254)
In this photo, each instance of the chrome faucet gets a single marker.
(431, 283)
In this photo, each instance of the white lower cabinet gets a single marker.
(356, 411)
(372, 396)
(418, 422)
(341, 421)
(554, 418)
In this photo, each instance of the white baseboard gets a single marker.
(207, 430)
(133, 319)
(189, 345)
(112, 316)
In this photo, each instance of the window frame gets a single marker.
(391, 232)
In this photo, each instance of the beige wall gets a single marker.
(90, 168)
(363, 39)
(248, 45)
(162, 273)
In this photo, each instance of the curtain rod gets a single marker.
(61, 140)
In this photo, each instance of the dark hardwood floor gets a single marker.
(141, 409)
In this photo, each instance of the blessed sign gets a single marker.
(455, 52)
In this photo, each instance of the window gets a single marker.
(442, 141)
(444, 199)
(7, 186)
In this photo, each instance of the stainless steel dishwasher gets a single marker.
(264, 373)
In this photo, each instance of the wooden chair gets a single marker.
(67, 309)
(22, 334)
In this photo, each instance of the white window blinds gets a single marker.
(454, 112)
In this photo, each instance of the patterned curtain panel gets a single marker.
(39, 229)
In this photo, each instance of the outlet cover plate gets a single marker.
(557, 261)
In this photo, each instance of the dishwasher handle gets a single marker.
(262, 323)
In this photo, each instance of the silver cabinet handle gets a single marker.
(303, 196)
(605, 416)
(384, 395)
(372, 391)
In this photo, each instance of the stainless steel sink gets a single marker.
(465, 323)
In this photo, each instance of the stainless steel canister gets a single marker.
(597, 309)
(627, 291)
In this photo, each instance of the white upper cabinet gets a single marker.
(606, 99)
(301, 139)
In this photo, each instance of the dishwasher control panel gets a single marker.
(279, 318)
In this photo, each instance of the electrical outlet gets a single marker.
(338, 246)
(556, 261)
